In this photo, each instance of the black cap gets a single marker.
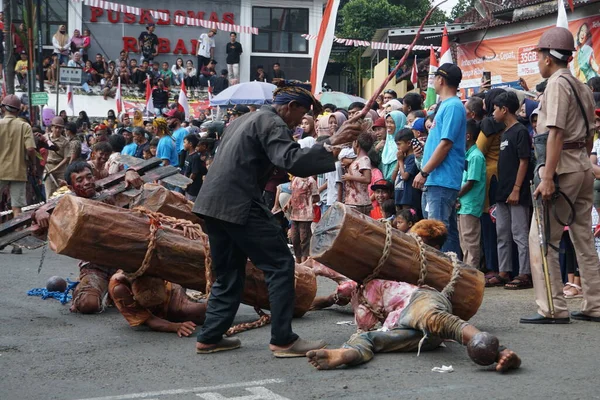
(451, 73)
(240, 109)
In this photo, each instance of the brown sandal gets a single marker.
(495, 280)
(520, 282)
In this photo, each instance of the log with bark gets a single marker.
(118, 238)
(352, 244)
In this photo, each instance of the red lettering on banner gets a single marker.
(164, 45)
(200, 14)
(112, 18)
(180, 47)
(178, 13)
(162, 21)
(229, 18)
(129, 18)
(130, 44)
(96, 12)
(194, 46)
(214, 17)
(146, 18)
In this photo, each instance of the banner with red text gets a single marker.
(512, 57)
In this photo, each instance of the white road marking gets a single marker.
(145, 395)
(258, 393)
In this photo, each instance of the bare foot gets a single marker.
(508, 360)
(322, 302)
(330, 359)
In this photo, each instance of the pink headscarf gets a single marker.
(339, 117)
(324, 125)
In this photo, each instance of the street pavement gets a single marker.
(46, 352)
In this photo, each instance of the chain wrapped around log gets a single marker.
(352, 244)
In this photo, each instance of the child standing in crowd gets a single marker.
(388, 209)
(304, 194)
(405, 219)
(512, 194)
(406, 169)
(383, 191)
(193, 167)
(471, 197)
(356, 181)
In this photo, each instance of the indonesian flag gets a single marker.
(149, 102)
(561, 20)
(414, 74)
(4, 88)
(433, 66)
(70, 104)
(210, 91)
(183, 101)
(323, 45)
(445, 53)
(119, 98)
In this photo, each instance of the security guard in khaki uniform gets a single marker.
(567, 155)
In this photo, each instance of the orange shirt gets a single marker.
(376, 212)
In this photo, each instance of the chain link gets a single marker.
(44, 250)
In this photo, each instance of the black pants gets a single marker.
(261, 240)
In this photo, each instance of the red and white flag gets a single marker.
(323, 45)
(445, 53)
(562, 21)
(210, 91)
(414, 78)
(183, 101)
(119, 98)
(149, 102)
(70, 104)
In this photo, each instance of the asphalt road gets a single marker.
(46, 352)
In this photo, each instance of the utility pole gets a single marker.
(30, 58)
(40, 49)
(9, 50)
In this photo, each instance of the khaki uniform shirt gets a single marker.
(559, 109)
(55, 157)
(15, 138)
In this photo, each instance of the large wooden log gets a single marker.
(157, 198)
(114, 237)
(352, 244)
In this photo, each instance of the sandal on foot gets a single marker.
(496, 280)
(520, 282)
(223, 345)
(572, 291)
(299, 348)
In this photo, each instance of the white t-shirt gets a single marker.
(596, 150)
(308, 141)
(333, 178)
(205, 43)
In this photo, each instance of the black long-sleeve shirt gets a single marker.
(252, 146)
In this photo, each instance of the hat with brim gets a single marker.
(58, 121)
(379, 123)
(451, 72)
(382, 184)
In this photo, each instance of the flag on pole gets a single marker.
(323, 46)
(431, 97)
(445, 53)
(210, 91)
(183, 101)
(70, 104)
(149, 102)
(561, 20)
(571, 5)
(414, 78)
(119, 98)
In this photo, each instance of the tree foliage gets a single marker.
(461, 8)
(359, 19)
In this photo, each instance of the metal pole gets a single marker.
(9, 65)
(40, 50)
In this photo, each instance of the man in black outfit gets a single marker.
(240, 225)
(234, 50)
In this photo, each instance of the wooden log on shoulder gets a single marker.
(352, 244)
(157, 198)
(114, 237)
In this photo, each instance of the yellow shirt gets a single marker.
(21, 66)
(15, 138)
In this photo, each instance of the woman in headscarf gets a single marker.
(525, 112)
(61, 43)
(83, 118)
(322, 125)
(489, 144)
(138, 119)
(394, 121)
(336, 120)
(308, 127)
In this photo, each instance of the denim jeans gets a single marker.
(439, 203)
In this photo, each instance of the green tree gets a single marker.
(461, 8)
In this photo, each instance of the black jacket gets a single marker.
(252, 146)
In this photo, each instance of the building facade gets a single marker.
(280, 23)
